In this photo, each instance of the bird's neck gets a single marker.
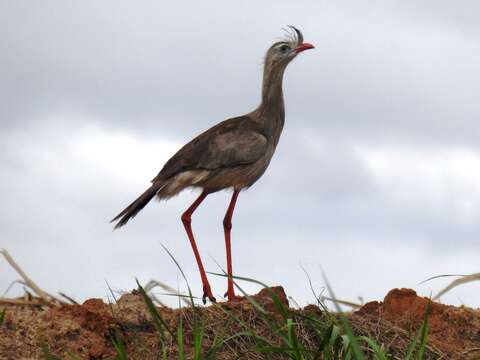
(270, 114)
(272, 93)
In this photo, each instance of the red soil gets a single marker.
(453, 330)
(85, 330)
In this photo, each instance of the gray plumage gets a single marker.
(234, 153)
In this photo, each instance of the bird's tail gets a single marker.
(134, 208)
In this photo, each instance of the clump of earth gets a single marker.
(86, 330)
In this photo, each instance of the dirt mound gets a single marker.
(87, 330)
(455, 331)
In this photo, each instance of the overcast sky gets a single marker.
(376, 179)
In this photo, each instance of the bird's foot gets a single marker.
(207, 293)
(231, 297)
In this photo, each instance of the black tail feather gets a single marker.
(134, 208)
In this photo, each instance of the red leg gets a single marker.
(227, 227)
(187, 223)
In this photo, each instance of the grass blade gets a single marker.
(158, 322)
(190, 295)
(2, 316)
(73, 356)
(421, 336)
(380, 355)
(220, 339)
(181, 350)
(293, 341)
(47, 355)
(285, 312)
(357, 352)
(119, 347)
(347, 347)
(198, 333)
(463, 280)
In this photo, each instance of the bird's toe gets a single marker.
(231, 297)
(207, 294)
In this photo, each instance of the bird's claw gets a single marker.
(207, 293)
(230, 295)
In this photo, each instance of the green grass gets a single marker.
(416, 350)
(334, 337)
(47, 355)
(285, 333)
(2, 316)
(119, 346)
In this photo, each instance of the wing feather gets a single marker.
(233, 142)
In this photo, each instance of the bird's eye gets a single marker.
(284, 48)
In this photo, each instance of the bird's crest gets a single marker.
(292, 35)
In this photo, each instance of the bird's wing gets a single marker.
(231, 143)
(233, 147)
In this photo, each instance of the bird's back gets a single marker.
(233, 142)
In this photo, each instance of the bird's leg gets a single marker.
(227, 227)
(187, 223)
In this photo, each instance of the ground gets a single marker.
(86, 331)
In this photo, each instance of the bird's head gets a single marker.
(282, 52)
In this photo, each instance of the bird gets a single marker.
(233, 154)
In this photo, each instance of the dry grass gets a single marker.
(42, 296)
(260, 327)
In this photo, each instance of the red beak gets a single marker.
(302, 47)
